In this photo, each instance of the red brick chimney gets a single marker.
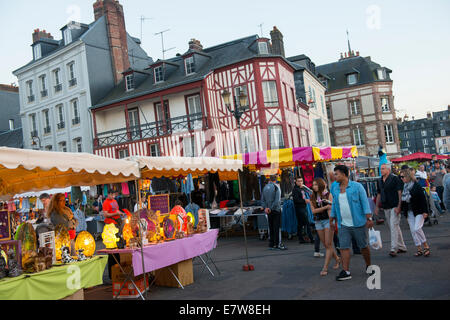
(117, 34)
(277, 42)
(37, 35)
(195, 44)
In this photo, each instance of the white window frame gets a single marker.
(389, 133)
(247, 141)
(62, 146)
(355, 107)
(276, 137)
(195, 107)
(33, 122)
(11, 124)
(30, 88)
(358, 136)
(46, 118)
(385, 107)
(444, 141)
(129, 82)
(443, 133)
(154, 152)
(159, 74)
(60, 112)
(350, 77)
(67, 36)
(56, 76)
(71, 69)
(123, 153)
(43, 81)
(189, 65)
(263, 48)
(37, 51)
(425, 142)
(78, 146)
(189, 146)
(270, 93)
(445, 149)
(381, 74)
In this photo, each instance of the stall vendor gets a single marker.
(111, 210)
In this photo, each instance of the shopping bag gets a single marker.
(375, 239)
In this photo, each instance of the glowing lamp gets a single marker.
(109, 236)
(62, 239)
(127, 234)
(178, 210)
(86, 242)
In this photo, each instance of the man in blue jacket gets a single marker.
(352, 212)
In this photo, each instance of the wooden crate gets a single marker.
(183, 270)
(129, 291)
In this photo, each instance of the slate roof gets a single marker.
(337, 72)
(213, 58)
(12, 139)
(9, 109)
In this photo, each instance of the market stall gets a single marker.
(48, 269)
(419, 156)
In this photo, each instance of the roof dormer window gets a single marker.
(263, 48)
(381, 73)
(189, 65)
(67, 36)
(352, 78)
(159, 77)
(37, 51)
(129, 80)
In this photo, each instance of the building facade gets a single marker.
(429, 135)
(175, 107)
(10, 123)
(67, 76)
(360, 104)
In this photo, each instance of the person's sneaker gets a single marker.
(393, 254)
(281, 247)
(344, 275)
(318, 254)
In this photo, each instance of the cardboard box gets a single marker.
(116, 272)
(183, 270)
(129, 291)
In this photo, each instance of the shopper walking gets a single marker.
(351, 211)
(389, 193)
(437, 178)
(271, 202)
(321, 201)
(414, 207)
(446, 182)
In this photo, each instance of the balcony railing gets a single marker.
(58, 87)
(72, 82)
(31, 98)
(34, 133)
(151, 130)
(44, 93)
(75, 121)
(47, 130)
(61, 125)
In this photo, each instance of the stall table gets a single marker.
(158, 256)
(59, 282)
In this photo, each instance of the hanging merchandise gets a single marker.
(84, 200)
(308, 174)
(288, 217)
(318, 171)
(105, 191)
(125, 190)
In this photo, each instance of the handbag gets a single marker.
(375, 239)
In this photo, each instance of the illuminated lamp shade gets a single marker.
(127, 234)
(86, 242)
(62, 239)
(109, 236)
(226, 96)
(243, 99)
(178, 210)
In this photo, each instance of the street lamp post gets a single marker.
(240, 108)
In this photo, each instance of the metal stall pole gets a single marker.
(247, 267)
(141, 237)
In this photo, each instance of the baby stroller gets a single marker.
(433, 216)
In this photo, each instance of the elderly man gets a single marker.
(389, 195)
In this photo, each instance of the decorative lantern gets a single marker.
(62, 239)
(127, 234)
(109, 236)
(86, 242)
(178, 210)
(169, 227)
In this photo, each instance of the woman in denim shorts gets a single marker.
(321, 201)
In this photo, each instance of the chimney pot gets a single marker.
(195, 44)
(277, 42)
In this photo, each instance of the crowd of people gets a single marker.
(342, 215)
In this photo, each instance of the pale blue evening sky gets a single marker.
(410, 37)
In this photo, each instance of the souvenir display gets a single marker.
(66, 257)
(62, 239)
(127, 234)
(47, 254)
(14, 269)
(191, 218)
(109, 236)
(178, 210)
(47, 241)
(2, 267)
(27, 235)
(85, 241)
(28, 261)
(3, 254)
(169, 227)
(5, 226)
(81, 256)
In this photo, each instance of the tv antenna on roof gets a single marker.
(162, 41)
(260, 27)
(142, 22)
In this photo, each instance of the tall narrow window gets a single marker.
(37, 51)
(159, 77)
(133, 120)
(11, 124)
(46, 122)
(43, 79)
(385, 104)
(154, 150)
(62, 146)
(329, 111)
(58, 85)
(270, 93)
(72, 78)
(389, 133)
(247, 141)
(355, 107)
(77, 145)
(129, 80)
(276, 137)
(322, 104)
(189, 146)
(30, 91)
(123, 153)
(195, 112)
(318, 127)
(60, 114)
(67, 36)
(76, 112)
(189, 64)
(34, 132)
(358, 137)
(381, 74)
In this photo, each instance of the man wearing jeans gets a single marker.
(389, 193)
(352, 212)
(271, 202)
